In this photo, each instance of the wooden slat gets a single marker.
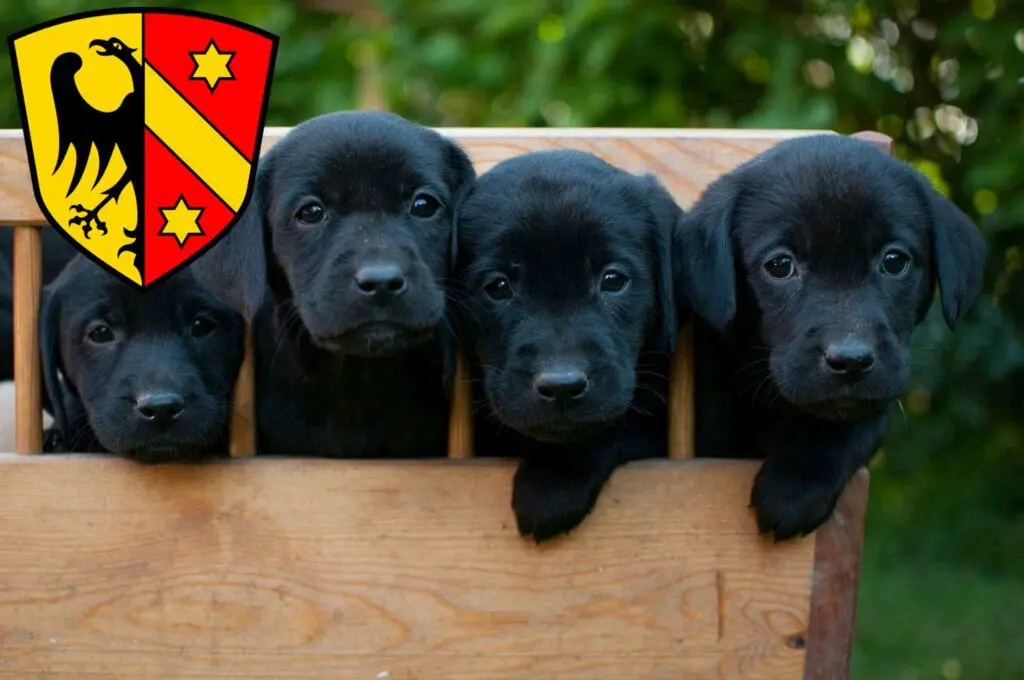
(349, 569)
(460, 421)
(681, 422)
(28, 276)
(837, 555)
(243, 412)
(686, 160)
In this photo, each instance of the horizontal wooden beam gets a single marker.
(286, 568)
(686, 160)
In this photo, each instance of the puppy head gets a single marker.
(563, 260)
(148, 374)
(349, 224)
(828, 250)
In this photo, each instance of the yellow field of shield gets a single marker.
(103, 82)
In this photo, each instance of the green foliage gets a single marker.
(945, 79)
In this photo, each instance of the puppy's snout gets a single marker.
(562, 384)
(383, 280)
(850, 358)
(159, 406)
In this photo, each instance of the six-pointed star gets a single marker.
(212, 65)
(181, 221)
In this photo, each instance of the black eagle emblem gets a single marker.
(81, 126)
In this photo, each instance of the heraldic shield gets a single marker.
(143, 130)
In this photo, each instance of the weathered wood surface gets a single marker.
(27, 277)
(343, 569)
(685, 160)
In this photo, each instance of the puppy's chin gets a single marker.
(161, 450)
(549, 426)
(562, 432)
(841, 410)
(376, 340)
(847, 403)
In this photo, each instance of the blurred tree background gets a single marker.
(943, 576)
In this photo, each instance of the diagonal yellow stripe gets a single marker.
(171, 118)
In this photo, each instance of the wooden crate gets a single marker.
(291, 568)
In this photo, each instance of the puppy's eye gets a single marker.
(499, 288)
(780, 267)
(895, 262)
(100, 334)
(311, 213)
(202, 326)
(613, 281)
(424, 206)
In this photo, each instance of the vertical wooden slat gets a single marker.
(833, 615)
(681, 398)
(28, 279)
(460, 420)
(243, 416)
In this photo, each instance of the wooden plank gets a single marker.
(686, 160)
(681, 395)
(837, 556)
(27, 289)
(460, 419)
(243, 406)
(263, 568)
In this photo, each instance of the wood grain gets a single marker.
(686, 160)
(325, 569)
(460, 421)
(833, 613)
(681, 422)
(28, 280)
(243, 414)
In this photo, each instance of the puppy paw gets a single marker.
(548, 503)
(790, 503)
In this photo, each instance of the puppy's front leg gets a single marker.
(801, 480)
(553, 496)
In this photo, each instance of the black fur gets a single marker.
(342, 372)
(552, 225)
(802, 370)
(146, 375)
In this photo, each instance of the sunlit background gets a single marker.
(942, 592)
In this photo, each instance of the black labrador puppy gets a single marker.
(57, 252)
(341, 258)
(809, 267)
(564, 302)
(147, 375)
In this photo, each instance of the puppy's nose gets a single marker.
(159, 406)
(381, 280)
(561, 385)
(849, 358)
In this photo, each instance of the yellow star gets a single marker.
(181, 221)
(212, 65)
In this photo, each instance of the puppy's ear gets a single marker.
(60, 396)
(448, 334)
(958, 252)
(705, 274)
(235, 268)
(459, 175)
(666, 214)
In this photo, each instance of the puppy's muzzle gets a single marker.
(850, 360)
(159, 407)
(381, 282)
(562, 384)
